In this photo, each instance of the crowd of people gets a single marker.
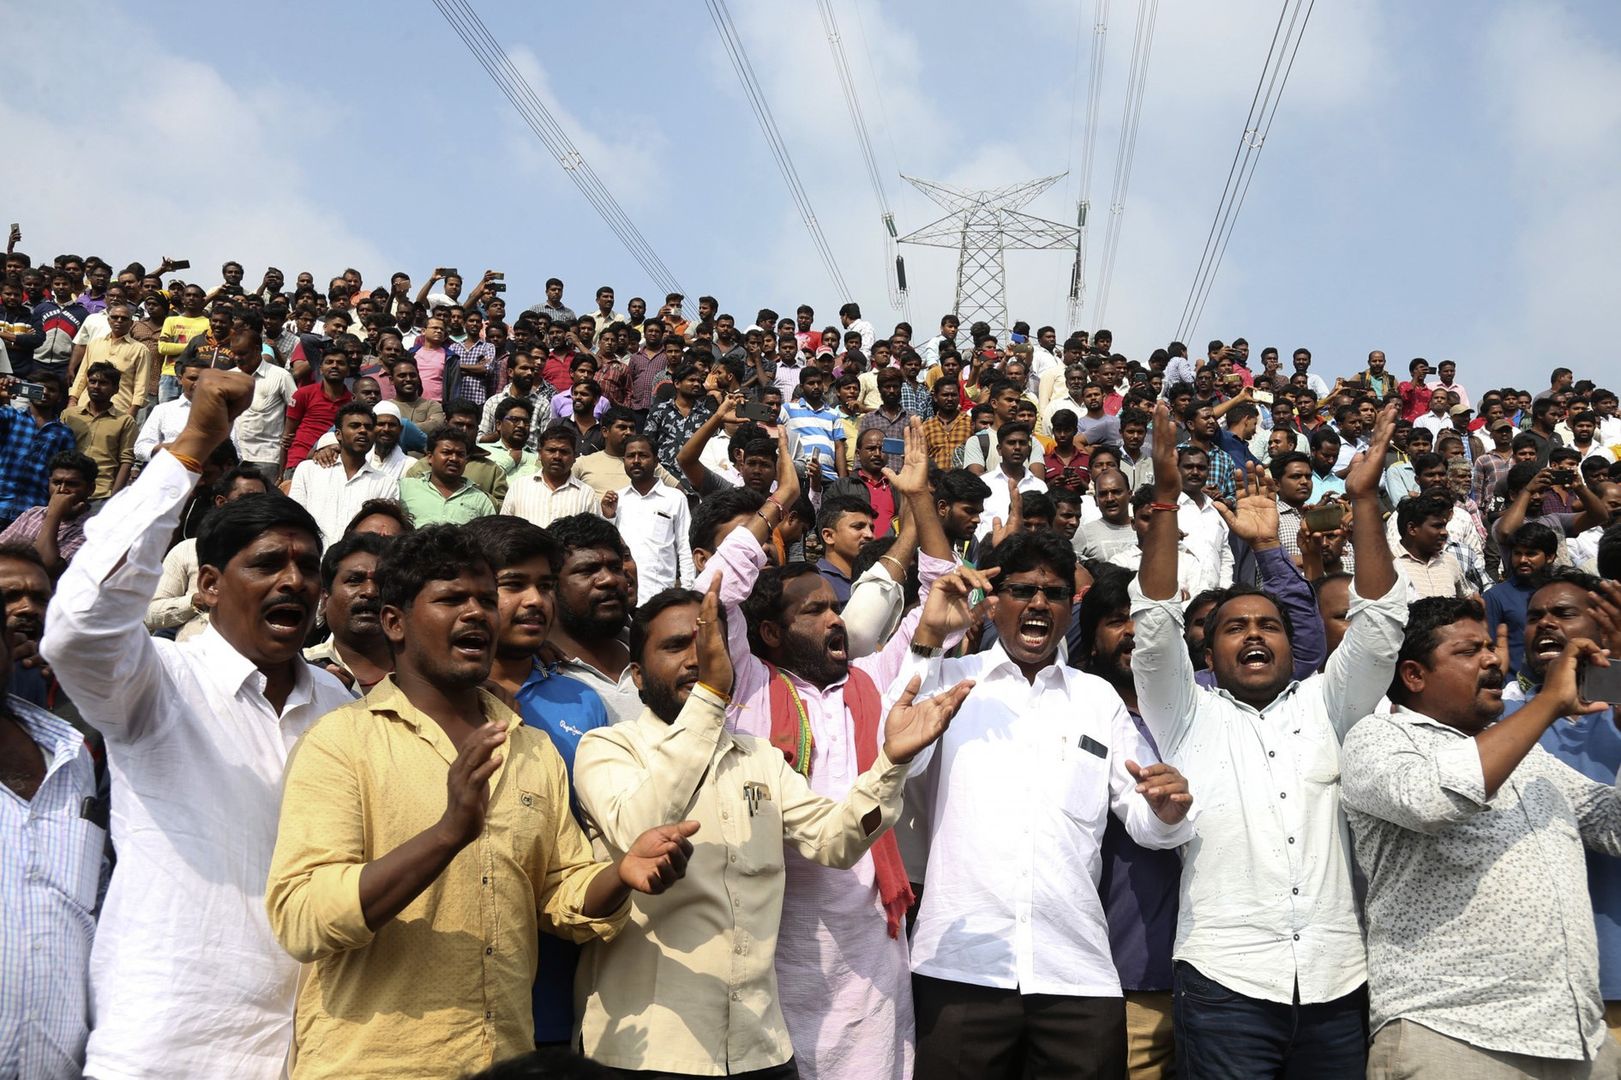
(408, 684)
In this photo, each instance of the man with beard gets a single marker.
(1459, 816)
(444, 495)
(553, 491)
(426, 841)
(525, 559)
(593, 603)
(604, 470)
(719, 933)
(53, 819)
(357, 653)
(197, 740)
(333, 495)
(959, 503)
(1010, 952)
(523, 386)
(1563, 606)
(426, 413)
(653, 520)
(1269, 965)
(797, 686)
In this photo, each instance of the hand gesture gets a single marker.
(813, 471)
(1167, 474)
(325, 456)
(913, 479)
(729, 404)
(714, 661)
(787, 492)
(1561, 683)
(1541, 482)
(65, 505)
(468, 784)
(610, 504)
(913, 725)
(658, 858)
(1165, 788)
(1001, 530)
(948, 608)
(219, 398)
(1254, 517)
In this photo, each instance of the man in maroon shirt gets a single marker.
(559, 357)
(314, 408)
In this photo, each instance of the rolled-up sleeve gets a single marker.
(831, 832)
(560, 894)
(1388, 775)
(313, 893)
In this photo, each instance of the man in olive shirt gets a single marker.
(105, 433)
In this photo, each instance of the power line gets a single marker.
(773, 137)
(1083, 205)
(466, 24)
(1136, 85)
(1264, 104)
(897, 290)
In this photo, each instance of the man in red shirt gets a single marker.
(559, 358)
(315, 407)
(1415, 394)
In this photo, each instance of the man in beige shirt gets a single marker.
(689, 986)
(133, 360)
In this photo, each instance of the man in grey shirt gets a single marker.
(1482, 957)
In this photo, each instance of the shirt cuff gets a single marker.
(931, 569)
(335, 905)
(1171, 607)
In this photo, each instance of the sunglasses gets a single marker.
(1020, 590)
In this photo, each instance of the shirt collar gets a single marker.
(388, 700)
(58, 740)
(999, 664)
(1403, 714)
(232, 671)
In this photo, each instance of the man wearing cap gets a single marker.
(1462, 422)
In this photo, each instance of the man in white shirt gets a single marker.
(654, 519)
(1200, 518)
(185, 976)
(553, 491)
(167, 419)
(850, 318)
(333, 495)
(930, 349)
(257, 432)
(1011, 477)
(1010, 952)
(1270, 971)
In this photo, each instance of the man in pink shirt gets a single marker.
(432, 353)
(843, 969)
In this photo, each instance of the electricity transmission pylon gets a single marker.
(982, 226)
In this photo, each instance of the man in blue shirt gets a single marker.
(29, 438)
(1569, 605)
(526, 560)
(1528, 553)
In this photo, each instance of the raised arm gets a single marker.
(1594, 512)
(691, 452)
(95, 640)
(1166, 697)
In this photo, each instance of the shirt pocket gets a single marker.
(73, 863)
(759, 819)
(1081, 766)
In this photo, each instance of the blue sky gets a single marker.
(1442, 180)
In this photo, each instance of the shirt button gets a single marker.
(1297, 937)
(1295, 891)
(486, 881)
(488, 1015)
(724, 816)
(1291, 839)
(489, 950)
(1271, 753)
(1283, 794)
(736, 996)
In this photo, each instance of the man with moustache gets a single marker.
(357, 653)
(1459, 818)
(709, 948)
(797, 686)
(1269, 964)
(1112, 533)
(1010, 953)
(426, 841)
(1564, 605)
(186, 978)
(593, 604)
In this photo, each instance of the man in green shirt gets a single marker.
(445, 496)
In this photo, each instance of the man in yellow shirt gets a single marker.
(690, 987)
(426, 839)
(120, 349)
(178, 330)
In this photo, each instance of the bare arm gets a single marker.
(688, 457)
(1157, 574)
(1375, 567)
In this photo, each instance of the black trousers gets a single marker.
(786, 1071)
(967, 1032)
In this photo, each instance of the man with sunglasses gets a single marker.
(133, 360)
(1010, 954)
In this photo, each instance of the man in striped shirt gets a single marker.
(814, 429)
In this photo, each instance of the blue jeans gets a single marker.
(168, 388)
(1224, 1035)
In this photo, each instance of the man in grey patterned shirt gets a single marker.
(1482, 959)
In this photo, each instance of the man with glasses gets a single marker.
(1010, 953)
(132, 359)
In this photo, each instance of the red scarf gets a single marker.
(791, 733)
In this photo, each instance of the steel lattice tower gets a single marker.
(982, 226)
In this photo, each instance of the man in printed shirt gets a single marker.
(1482, 960)
(656, 998)
(849, 1020)
(185, 977)
(1269, 963)
(427, 818)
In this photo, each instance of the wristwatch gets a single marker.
(928, 652)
